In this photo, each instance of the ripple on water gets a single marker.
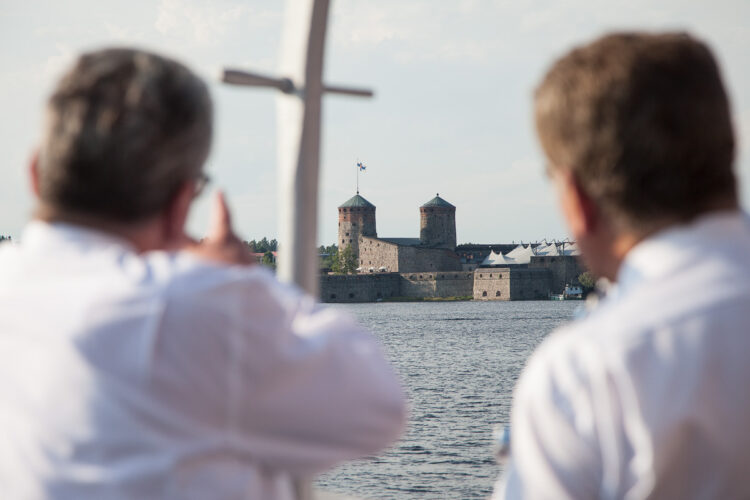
(459, 362)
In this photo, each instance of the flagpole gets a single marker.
(357, 167)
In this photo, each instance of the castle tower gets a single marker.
(356, 217)
(437, 224)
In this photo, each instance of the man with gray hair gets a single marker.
(647, 397)
(138, 363)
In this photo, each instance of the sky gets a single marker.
(451, 114)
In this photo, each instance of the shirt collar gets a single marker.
(663, 253)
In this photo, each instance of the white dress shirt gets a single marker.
(649, 396)
(162, 376)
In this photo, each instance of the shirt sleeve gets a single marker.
(309, 386)
(554, 445)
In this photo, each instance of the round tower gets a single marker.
(437, 224)
(356, 217)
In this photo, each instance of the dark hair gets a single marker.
(125, 129)
(643, 122)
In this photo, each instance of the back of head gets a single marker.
(643, 122)
(125, 129)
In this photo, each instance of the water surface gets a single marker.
(459, 362)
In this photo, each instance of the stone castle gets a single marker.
(431, 267)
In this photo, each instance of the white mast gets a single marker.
(298, 138)
(298, 135)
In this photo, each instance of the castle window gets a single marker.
(350, 241)
(497, 294)
(343, 241)
(480, 275)
(455, 275)
(420, 276)
(333, 295)
(354, 224)
(347, 234)
(500, 276)
(490, 275)
(484, 294)
(351, 295)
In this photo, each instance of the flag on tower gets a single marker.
(361, 165)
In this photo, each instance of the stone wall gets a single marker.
(564, 269)
(437, 227)
(353, 223)
(375, 253)
(440, 284)
(375, 286)
(511, 283)
(415, 259)
(359, 287)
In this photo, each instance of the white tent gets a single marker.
(520, 255)
(569, 249)
(547, 250)
(494, 259)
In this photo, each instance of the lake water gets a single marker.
(459, 362)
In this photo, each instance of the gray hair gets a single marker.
(125, 129)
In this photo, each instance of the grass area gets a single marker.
(428, 299)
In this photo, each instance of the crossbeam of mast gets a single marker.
(298, 134)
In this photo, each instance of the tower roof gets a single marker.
(356, 201)
(437, 201)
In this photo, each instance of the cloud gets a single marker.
(204, 22)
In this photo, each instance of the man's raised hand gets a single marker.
(221, 244)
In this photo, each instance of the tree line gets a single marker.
(263, 245)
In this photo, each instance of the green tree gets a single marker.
(330, 253)
(345, 261)
(267, 260)
(587, 280)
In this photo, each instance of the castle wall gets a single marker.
(437, 227)
(353, 223)
(564, 269)
(508, 283)
(376, 254)
(440, 284)
(359, 287)
(415, 259)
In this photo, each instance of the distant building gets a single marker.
(356, 218)
(434, 250)
(433, 266)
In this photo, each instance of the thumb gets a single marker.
(221, 219)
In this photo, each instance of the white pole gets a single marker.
(299, 141)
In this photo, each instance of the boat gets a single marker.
(570, 293)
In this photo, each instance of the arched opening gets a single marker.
(484, 294)
(497, 294)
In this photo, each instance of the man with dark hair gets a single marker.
(137, 363)
(647, 396)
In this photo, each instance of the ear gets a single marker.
(34, 173)
(581, 212)
(175, 216)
